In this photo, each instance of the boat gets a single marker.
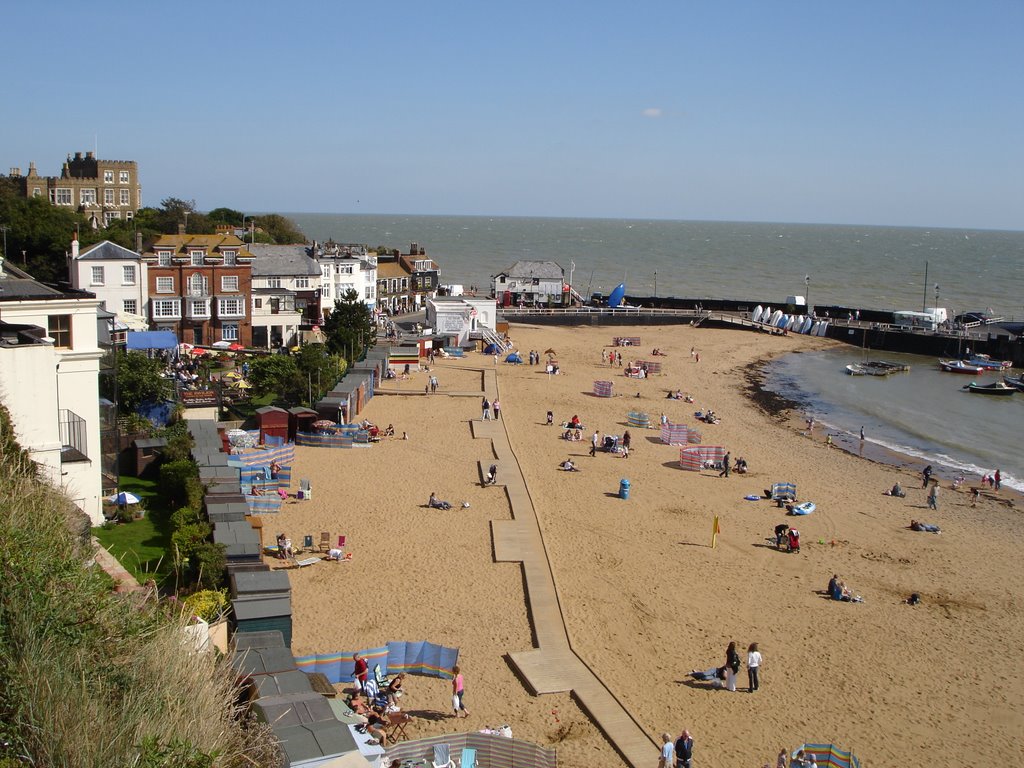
(959, 366)
(758, 311)
(802, 509)
(884, 367)
(986, 362)
(1017, 382)
(996, 388)
(856, 369)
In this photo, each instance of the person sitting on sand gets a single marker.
(837, 590)
(741, 466)
(896, 490)
(389, 431)
(436, 503)
(377, 726)
(917, 525)
(568, 466)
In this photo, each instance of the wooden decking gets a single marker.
(552, 666)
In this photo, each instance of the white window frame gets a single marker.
(108, 197)
(125, 177)
(165, 308)
(198, 285)
(126, 197)
(237, 303)
(87, 196)
(197, 258)
(229, 332)
(325, 291)
(63, 196)
(273, 282)
(96, 276)
(229, 283)
(199, 308)
(302, 282)
(130, 306)
(128, 273)
(229, 258)
(165, 285)
(108, 178)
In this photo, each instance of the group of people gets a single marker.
(678, 753)
(678, 395)
(487, 408)
(725, 675)
(837, 590)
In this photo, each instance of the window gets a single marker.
(369, 292)
(163, 258)
(62, 196)
(198, 285)
(87, 196)
(325, 270)
(166, 308)
(394, 285)
(343, 269)
(130, 306)
(36, 192)
(405, 283)
(257, 303)
(124, 177)
(199, 308)
(229, 258)
(229, 282)
(230, 308)
(197, 257)
(229, 332)
(126, 197)
(108, 197)
(109, 216)
(165, 285)
(302, 282)
(97, 276)
(108, 177)
(58, 327)
(274, 282)
(325, 291)
(129, 215)
(128, 274)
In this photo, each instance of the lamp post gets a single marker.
(4, 227)
(807, 294)
(936, 295)
(655, 283)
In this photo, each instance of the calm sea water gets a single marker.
(923, 413)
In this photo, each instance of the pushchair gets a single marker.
(793, 540)
(611, 444)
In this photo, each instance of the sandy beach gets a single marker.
(645, 597)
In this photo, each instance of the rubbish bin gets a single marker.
(623, 488)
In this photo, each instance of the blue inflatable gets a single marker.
(616, 296)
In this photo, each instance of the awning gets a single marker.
(152, 340)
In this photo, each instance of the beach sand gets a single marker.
(645, 597)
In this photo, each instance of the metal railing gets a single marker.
(73, 434)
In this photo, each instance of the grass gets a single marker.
(143, 546)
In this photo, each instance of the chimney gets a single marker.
(89, 155)
(138, 242)
(181, 229)
(78, 155)
(74, 249)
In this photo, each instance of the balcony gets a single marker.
(73, 433)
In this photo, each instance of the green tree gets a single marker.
(280, 229)
(276, 374)
(139, 380)
(225, 216)
(319, 369)
(39, 234)
(349, 328)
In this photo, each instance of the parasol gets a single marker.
(124, 498)
(236, 347)
(233, 375)
(323, 424)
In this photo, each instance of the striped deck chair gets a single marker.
(443, 756)
(468, 758)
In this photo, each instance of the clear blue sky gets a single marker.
(868, 112)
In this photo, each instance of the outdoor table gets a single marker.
(398, 722)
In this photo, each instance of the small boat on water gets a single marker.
(996, 388)
(959, 366)
(986, 362)
(1017, 382)
(856, 369)
(885, 367)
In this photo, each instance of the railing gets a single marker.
(73, 434)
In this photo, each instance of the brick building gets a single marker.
(200, 287)
(104, 190)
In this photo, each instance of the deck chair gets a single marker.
(443, 756)
(307, 561)
(379, 677)
(325, 541)
(341, 542)
(307, 542)
(468, 758)
(373, 693)
(305, 490)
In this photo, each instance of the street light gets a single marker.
(936, 294)
(807, 294)
(655, 283)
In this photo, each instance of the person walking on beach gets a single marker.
(753, 666)
(667, 758)
(783, 755)
(486, 408)
(593, 443)
(684, 750)
(725, 466)
(997, 481)
(627, 439)
(458, 691)
(732, 666)
(497, 408)
(926, 475)
(862, 434)
(361, 671)
(933, 496)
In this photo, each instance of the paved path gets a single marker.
(552, 665)
(123, 581)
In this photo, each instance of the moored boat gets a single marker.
(959, 366)
(885, 367)
(856, 369)
(995, 388)
(1017, 382)
(986, 362)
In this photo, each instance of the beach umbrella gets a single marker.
(221, 344)
(323, 424)
(233, 375)
(240, 384)
(236, 347)
(124, 497)
(183, 347)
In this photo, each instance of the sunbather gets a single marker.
(568, 466)
(917, 525)
(715, 674)
(436, 503)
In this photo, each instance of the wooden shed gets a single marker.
(257, 584)
(262, 615)
(300, 419)
(146, 450)
(273, 422)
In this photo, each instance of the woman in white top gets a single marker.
(753, 665)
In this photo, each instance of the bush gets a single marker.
(211, 560)
(179, 484)
(207, 604)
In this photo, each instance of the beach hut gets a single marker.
(273, 422)
(679, 434)
(262, 614)
(694, 457)
(638, 420)
(255, 585)
(300, 419)
(603, 388)
(404, 359)
(241, 542)
(334, 407)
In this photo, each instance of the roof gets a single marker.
(391, 269)
(179, 242)
(107, 251)
(271, 260)
(542, 269)
(18, 285)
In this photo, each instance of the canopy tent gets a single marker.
(492, 349)
(152, 340)
(829, 755)
(678, 434)
(514, 358)
(692, 457)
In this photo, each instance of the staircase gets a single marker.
(490, 337)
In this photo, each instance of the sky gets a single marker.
(869, 112)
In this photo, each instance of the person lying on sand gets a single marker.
(568, 466)
(714, 675)
(917, 525)
(436, 503)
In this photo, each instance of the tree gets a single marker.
(277, 375)
(225, 216)
(139, 380)
(349, 328)
(280, 229)
(319, 369)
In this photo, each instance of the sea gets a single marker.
(924, 414)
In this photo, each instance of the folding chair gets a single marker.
(380, 677)
(325, 541)
(468, 758)
(307, 542)
(443, 756)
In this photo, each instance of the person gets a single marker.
(376, 725)
(667, 759)
(394, 689)
(780, 534)
(684, 750)
(282, 546)
(725, 466)
(781, 760)
(975, 495)
(933, 496)
(274, 469)
(361, 671)
(896, 490)
(917, 525)
(551, 418)
(594, 442)
(753, 666)
(793, 540)
(997, 480)
(740, 467)
(713, 674)
(626, 440)
(497, 409)
(577, 436)
(732, 666)
(568, 466)
(575, 423)
(492, 475)
(926, 475)
(486, 409)
(828, 440)
(458, 692)
(862, 434)
(390, 431)
(436, 503)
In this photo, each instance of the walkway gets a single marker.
(552, 666)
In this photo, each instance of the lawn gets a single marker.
(143, 546)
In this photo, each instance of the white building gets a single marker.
(117, 276)
(463, 318)
(344, 268)
(49, 381)
(285, 293)
(532, 283)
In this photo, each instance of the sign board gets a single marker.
(197, 398)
